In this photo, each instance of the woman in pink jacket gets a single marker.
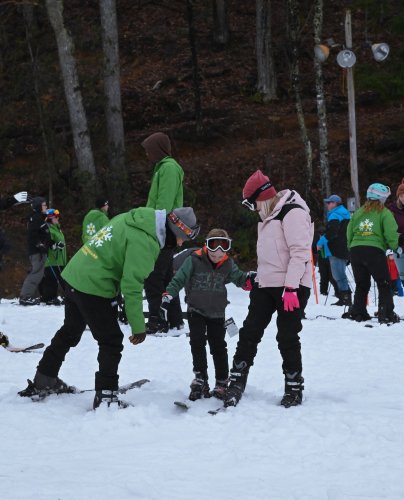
(282, 285)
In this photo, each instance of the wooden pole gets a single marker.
(351, 113)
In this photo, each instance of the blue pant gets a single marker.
(338, 270)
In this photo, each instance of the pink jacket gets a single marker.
(284, 247)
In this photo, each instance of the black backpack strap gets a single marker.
(286, 209)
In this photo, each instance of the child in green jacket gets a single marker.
(204, 275)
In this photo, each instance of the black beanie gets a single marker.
(101, 201)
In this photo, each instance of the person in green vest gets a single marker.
(118, 258)
(371, 231)
(95, 219)
(56, 261)
(166, 192)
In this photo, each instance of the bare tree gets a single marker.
(195, 67)
(78, 119)
(321, 107)
(266, 78)
(220, 27)
(293, 24)
(117, 173)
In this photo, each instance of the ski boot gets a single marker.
(156, 325)
(293, 390)
(199, 387)
(44, 386)
(355, 315)
(4, 342)
(109, 398)
(220, 389)
(238, 381)
(344, 299)
(29, 301)
(385, 316)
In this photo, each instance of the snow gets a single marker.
(345, 442)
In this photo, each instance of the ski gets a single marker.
(123, 389)
(182, 405)
(25, 349)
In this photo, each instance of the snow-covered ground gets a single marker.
(345, 442)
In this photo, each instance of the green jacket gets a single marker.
(374, 229)
(119, 258)
(93, 222)
(166, 190)
(57, 258)
(205, 283)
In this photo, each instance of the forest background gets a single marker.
(234, 84)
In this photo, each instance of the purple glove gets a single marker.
(290, 299)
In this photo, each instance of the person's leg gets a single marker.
(48, 287)
(216, 333)
(31, 282)
(338, 270)
(379, 270)
(400, 266)
(361, 274)
(197, 340)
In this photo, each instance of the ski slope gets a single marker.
(345, 442)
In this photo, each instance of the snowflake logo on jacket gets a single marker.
(101, 237)
(90, 229)
(366, 227)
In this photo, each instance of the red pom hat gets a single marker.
(254, 182)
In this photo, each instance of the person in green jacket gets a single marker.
(166, 192)
(95, 219)
(204, 275)
(118, 258)
(55, 262)
(370, 232)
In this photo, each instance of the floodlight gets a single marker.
(346, 58)
(380, 51)
(321, 52)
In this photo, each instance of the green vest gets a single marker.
(57, 258)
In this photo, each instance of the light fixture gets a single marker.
(321, 52)
(346, 58)
(380, 51)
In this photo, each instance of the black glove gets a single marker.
(165, 303)
(137, 338)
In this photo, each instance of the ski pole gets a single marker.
(313, 276)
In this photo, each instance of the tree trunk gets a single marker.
(78, 119)
(266, 77)
(195, 68)
(28, 14)
(321, 107)
(220, 28)
(295, 77)
(117, 174)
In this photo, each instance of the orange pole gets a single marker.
(313, 277)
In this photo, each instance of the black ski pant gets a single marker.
(156, 284)
(370, 262)
(100, 314)
(212, 330)
(326, 278)
(264, 302)
(48, 287)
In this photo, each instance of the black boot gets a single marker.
(220, 389)
(43, 386)
(387, 316)
(344, 299)
(293, 390)
(356, 315)
(199, 387)
(109, 398)
(238, 381)
(156, 325)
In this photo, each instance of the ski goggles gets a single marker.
(218, 243)
(190, 232)
(251, 201)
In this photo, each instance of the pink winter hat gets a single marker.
(255, 181)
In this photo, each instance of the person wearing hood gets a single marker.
(334, 244)
(39, 241)
(166, 193)
(95, 219)
(118, 258)
(282, 285)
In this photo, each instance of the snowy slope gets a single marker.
(345, 442)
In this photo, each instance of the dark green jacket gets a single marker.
(119, 258)
(374, 229)
(93, 222)
(56, 257)
(166, 190)
(205, 282)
